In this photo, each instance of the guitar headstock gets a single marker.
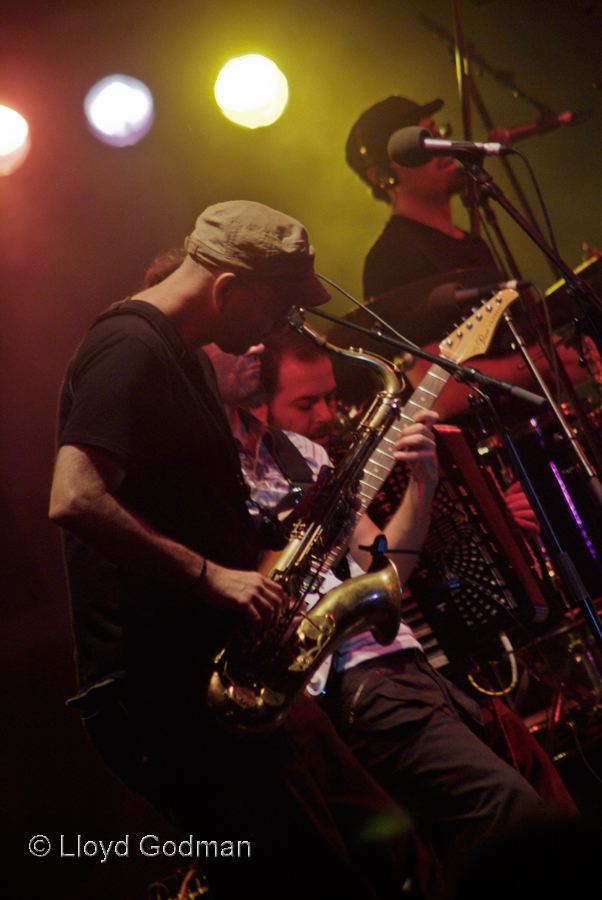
(474, 335)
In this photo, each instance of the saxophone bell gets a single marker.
(257, 706)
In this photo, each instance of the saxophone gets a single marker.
(255, 682)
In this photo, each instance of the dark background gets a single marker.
(80, 221)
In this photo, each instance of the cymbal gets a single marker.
(562, 304)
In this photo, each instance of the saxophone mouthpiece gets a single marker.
(295, 318)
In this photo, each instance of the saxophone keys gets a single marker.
(313, 636)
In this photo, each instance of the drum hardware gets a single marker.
(568, 504)
(567, 311)
(183, 884)
(476, 681)
(588, 359)
(560, 696)
(576, 591)
(590, 253)
(561, 297)
(487, 189)
(590, 436)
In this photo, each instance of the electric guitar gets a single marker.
(471, 338)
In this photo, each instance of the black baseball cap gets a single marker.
(367, 142)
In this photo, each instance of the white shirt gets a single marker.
(362, 647)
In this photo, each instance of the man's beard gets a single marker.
(322, 436)
(257, 397)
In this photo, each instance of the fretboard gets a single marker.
(381, 462)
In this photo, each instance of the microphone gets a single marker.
(446, 295)
(414, 146)
(540, 126)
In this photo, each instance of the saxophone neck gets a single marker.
(389, 373)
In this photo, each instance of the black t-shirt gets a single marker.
(409, 251)
(135, 390)
(417, 260)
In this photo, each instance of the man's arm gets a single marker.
(407, 528)
(83, 501)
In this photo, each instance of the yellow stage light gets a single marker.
(14, 140)
(251, 91)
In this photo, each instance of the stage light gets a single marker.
(14, 140)
(251, 91)
(119, 110)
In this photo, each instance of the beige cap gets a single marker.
(259, 242)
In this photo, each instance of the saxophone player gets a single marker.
(161, 557)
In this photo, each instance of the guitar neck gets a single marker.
(425, 395)
(471, 338)
(382, 461)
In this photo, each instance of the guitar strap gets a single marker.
(294, 467)
(289, 460)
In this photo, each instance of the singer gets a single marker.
(422, 242)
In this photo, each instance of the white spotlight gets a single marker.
(119, 110)
(14, 140)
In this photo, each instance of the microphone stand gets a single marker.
(565, 566)
(464, 78)
(503, 77)
(488, 189)
(564, 563)
(464, 374)
(592, 478)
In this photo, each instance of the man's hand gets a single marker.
(416, 447)
(256, 599)
(520, 509)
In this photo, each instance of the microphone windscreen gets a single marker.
(405, 147)
(500, 135)
(443, 297)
